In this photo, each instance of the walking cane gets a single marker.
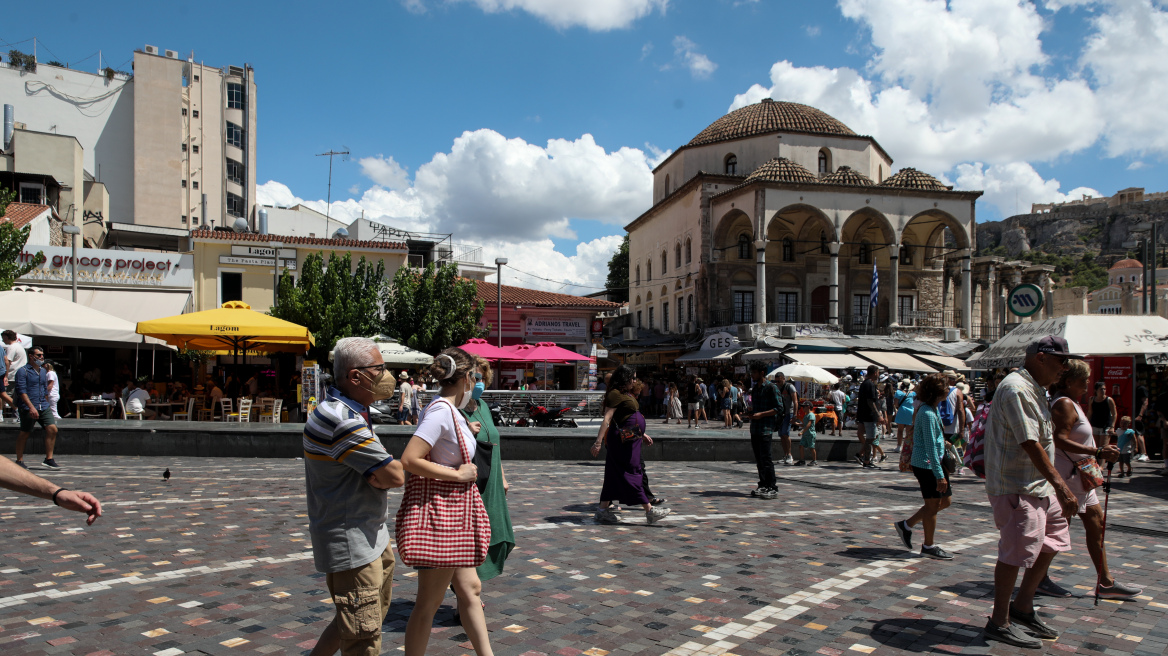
(1103, 535)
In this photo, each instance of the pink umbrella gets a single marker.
(544, 352)
(484, 349)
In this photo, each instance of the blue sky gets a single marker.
(1032, 102)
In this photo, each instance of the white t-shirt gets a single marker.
(137, 400)
(55, 394)
(407, 393)
(437, 428)
(17, 357)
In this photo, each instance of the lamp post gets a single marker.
(276, 246)
(499, 262)
(73, 231)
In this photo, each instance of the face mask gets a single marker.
(466, 394)
(39, 360)
(478, 390)
(382, 387)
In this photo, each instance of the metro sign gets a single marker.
(1025, 300)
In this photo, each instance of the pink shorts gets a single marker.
(1029, 526)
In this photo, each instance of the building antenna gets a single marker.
(344, 153)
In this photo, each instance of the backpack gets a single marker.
(945, 409)
(975, 450)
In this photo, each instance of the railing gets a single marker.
(863, 324)
(987, 333)
(730, 317)
(513, 404)
(465, 253)
(930, 318)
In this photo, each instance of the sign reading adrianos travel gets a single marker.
(110, 268)
(1025, 299)
(563, 331)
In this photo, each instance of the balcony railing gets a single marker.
(930, 318)
(730, 317)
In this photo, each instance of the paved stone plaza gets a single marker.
(216, 561)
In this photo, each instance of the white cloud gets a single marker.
(596, 15)
(583, 272)
(811, 30)
(385, 172)
(646, 50)
(1011, 188)
(698, 64)
(657, 155)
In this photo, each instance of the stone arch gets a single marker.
(638, 301)
(802, 223)
(867, 224)
(732, 224)
(788, 279)
(925, 232)
(742, 277)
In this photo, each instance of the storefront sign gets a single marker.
(109, 267)
(597, 327)
(263, 251)
(719, 341)
(245, 261)
(641, 358)
(562, 331)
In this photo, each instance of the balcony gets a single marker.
(461, 254)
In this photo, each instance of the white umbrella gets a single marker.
(45, 316)
(806, 373)
(396, 354)
(1086, 334)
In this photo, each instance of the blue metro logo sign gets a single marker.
(1025, 300)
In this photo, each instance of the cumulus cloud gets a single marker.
(595, 15)
(698, 64)
(385, 172)
(582, 272)
(967, 82)
(1011, 188)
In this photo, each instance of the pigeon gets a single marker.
(166, 474)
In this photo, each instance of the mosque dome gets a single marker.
(770, 116)
(781, 169)
(909, 178)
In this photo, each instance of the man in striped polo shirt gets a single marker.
(348, 474)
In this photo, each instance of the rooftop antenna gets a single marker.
(344, 153)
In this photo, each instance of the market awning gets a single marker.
(1086, 334)
(46, 317)
(705, 355)
(761, 354)
(129, 304)
(896, 361)
(827, 360)
(943, 361)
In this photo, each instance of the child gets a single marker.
(1127, 438)
(807, 442)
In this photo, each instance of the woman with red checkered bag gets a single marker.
(443, 530)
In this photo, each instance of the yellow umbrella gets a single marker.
(230, 329)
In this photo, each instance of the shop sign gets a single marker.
(641, 358)
(101, 267)
(245, 261)
(263, 251)
(563, 331)
(719, 342)
(597, 327)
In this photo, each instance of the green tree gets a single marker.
(617, 283)
(333, 301)
(12, 241)
(432, 309)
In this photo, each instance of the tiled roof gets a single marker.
(770, 116)
(909, 178)
(292, 240)
(845, 175)
(487, 293)
(1129, 263)
(21, 214)
(781, 169)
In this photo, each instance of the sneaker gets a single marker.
(883, 457)
(789, 460)
(1121, 475)
(1049, 588)
(1010, 635)
(905, 533)
(51, 463)
(869, 465)
(800, 463)
(768, 493)
(1142, 458)
(607, 516)
(894, 449)
(1033, 624)
(813, 464)
(654, 515)
(936, 552)
(21, 463)
(859, 459)
(757, 492)
(1117, 591)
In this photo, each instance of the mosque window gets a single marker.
(677, 256)
(906, 255)
(731, 164)
(823, 250)
(788, 250)
(688, 251)
(824, 161)
(744, 246)
(638, 275)
(865, 252)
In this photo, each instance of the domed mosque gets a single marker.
(777, 212)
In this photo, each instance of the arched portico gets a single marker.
(935, 234)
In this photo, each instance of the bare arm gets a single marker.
(608, 413)
(1038, 456)
(1114, 414)
(21, 480)
(1064, 416)
(389, 476)
(414, 461)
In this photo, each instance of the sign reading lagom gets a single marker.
(1025, 299)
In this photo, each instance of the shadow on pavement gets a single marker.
(922, 635)
(719, 493)
(877, 553)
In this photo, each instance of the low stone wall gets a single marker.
(216, 440)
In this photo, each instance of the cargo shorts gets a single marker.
(361, 596)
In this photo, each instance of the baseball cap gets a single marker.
(1053, 345)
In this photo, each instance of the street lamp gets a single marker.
(73, 231)
(276, 246)
(499, 262)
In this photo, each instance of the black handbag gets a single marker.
(482, 462)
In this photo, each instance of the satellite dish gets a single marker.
(240, 225)
(341, 233)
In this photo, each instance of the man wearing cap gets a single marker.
(1031, 502)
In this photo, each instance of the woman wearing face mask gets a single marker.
(495, 496)
(436, 451)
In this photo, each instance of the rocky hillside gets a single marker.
(1073, 230)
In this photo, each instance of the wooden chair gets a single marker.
(244, 414)
(126, 414)
(189, 414)
(270, 411)
(225, 410)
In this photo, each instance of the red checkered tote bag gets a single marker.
(442, 524)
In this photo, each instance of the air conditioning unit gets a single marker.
(787, 331)
(172, 54)
(747, 332)
(952, 335)
(630, 333)
(151, 50)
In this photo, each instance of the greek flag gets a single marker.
(875, 285)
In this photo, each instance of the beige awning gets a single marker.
(827, 360)
(897, 361)
(943, 361)
(133, 305)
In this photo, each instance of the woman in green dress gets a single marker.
(478, 415)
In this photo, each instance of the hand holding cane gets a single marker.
(1103, 535)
